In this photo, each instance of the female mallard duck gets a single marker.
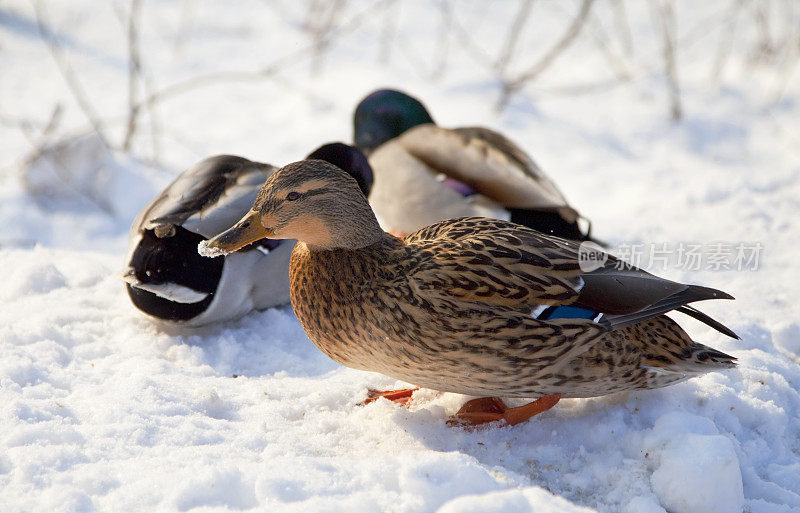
(169, 281)
(474, 306)
(444, 173)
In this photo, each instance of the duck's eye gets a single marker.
(292, 196)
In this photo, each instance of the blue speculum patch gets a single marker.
(567, 312)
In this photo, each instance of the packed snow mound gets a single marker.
(695, 468)
(520, 500)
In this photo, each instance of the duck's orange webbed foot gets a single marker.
(492, 409)
(401, 396)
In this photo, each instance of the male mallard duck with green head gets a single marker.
(475, 306)
(444, 173)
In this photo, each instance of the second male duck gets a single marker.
(445, 173)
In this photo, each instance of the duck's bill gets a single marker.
(245, 232)
(129, 276)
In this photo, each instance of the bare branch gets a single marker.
(520, 19)
(512, 86)
(666, 16)
(134, 71)
(320, 22)
(218, 77)
(270, 71)
(467, 41)
(67, 72)
(586, 88)
(443, 41)
(765, 48)
(187, 15)
(616, 62)
(155, 126)
(387, 36)
(37, 134)
(725, 43)
(623, 26)
(52, 152)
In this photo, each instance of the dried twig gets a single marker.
(44, 148)
(512, 38)
(36, 133)
(666, 19)
(616, 62)
(725, 43)
(52, 124)
(587, 88)
(75, 87)
(320, 22)
(155, 126)
(789, 68)
(473, 50)
(387, 36)
(28, 125)
(622, 26)
(765, 49)
(218, 77)
(134, 72)
(512, 86)
(270, 71)
(443, 40)
(188, 8)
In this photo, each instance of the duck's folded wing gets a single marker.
(626, 295)
(209, 197)
(502, 264)
(489, 163)
(496, 262)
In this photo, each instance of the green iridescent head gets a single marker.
(384, 115)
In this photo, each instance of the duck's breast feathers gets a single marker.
(207, 198)
(504, 264)
(489, 163)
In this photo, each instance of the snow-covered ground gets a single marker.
(100, 410)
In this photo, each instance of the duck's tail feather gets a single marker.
(698, 359)
(707, 320)
(678, 302)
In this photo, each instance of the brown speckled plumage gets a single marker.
(450, 307)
